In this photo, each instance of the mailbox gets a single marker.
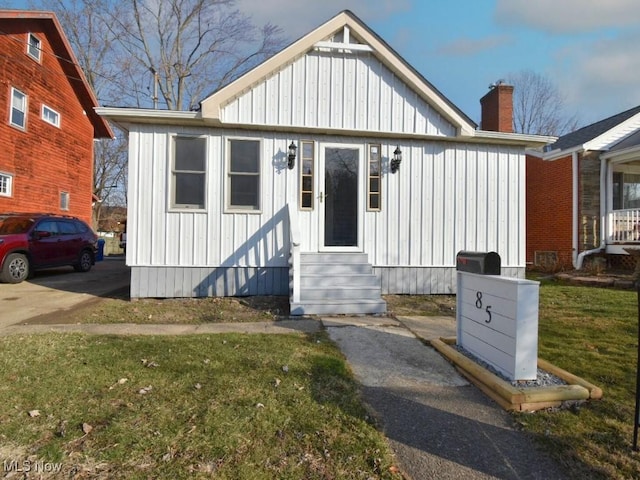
(484, 263)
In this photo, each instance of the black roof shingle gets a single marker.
(585, 134)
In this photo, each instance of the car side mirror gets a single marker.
(42, 234)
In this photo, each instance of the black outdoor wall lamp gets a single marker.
(291, 158)
(397, 159)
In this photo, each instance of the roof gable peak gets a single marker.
(345, 33)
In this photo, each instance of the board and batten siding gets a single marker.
(354, 91)
(446, 197)
(213, 235)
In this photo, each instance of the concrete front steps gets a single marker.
(338, 283)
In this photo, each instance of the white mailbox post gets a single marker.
(497, 320)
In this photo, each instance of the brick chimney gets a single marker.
(497, 108)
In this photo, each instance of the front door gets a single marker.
(340, 219)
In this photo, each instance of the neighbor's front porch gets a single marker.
(623, 230)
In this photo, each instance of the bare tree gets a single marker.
(538, 106)
(93, 45)
(189, 47)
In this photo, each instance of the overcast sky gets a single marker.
(588, 48)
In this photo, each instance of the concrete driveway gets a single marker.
(51, 292)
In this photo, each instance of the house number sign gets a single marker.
(497, 321)
(479, 305)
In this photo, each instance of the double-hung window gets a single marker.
(18, 114)
(6, 184)
(243, 180)
(64, 200)
(34, 47)
(189, 171)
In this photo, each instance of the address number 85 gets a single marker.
(479, 306)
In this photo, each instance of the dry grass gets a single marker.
(175, 311)
(224, 406)
(593, 333)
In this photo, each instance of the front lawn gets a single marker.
(593, 333)
(223, 406)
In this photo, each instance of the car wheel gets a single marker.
(84, 262)
(15, 268)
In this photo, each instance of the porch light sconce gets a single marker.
(291, 158)
(397, 159)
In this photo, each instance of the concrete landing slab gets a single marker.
(383, 356)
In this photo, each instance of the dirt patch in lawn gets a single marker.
(423, 305)
(173, 310)
(120, 309)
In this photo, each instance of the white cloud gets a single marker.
(600, 79)
(568, 15)
(296, 18)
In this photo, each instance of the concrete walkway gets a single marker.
(438, 425)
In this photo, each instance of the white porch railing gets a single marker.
(294, 261)
(624, 226)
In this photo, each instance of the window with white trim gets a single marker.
(18, 113)
(307, 157)
(64, 200)
(375, 179)
(6, 184)
(243, 179)
(188, 172)
(49, 115)
(34, 47)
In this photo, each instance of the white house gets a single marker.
(333, 172)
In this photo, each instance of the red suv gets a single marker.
(30, 242)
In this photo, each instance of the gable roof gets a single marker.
(346, 34)
(211, 106)
(75, 75)
(600, 135)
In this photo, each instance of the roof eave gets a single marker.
(623, 154)
(125, 116)
(527, 140)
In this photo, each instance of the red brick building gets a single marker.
(48, 122)
(549, 212)
(583, 195)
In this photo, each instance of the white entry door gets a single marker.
(340, 199)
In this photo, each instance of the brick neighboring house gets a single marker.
(583, 195)
(48, 122)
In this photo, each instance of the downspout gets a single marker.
(603, 201)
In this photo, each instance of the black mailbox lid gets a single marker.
(484, 263)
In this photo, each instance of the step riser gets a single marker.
(334, 258)
(339, 281)
(308, 308)
(335, 269)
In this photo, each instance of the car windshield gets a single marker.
(12, 225)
